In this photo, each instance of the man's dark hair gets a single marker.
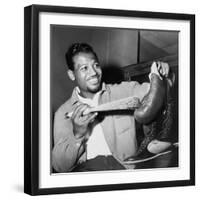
(75, 49)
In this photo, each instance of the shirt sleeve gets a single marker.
(67, 149)
(132, 88)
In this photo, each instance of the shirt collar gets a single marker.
(76, 97)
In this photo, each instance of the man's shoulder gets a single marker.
(64, 108)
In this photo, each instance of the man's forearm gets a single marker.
(66, 154)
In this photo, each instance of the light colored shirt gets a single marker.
(96, 144)
(119, 131)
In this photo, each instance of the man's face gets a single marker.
(87, 73)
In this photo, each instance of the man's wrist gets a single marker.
(79, 140)
(78, 136)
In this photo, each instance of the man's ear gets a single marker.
(71, 75)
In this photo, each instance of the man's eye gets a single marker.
(97, 65)
(84, 68)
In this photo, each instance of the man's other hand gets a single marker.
(163, 68)
(160, 68)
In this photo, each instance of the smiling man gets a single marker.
(91, 141)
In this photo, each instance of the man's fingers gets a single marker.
(91, 117)
(87, 111)
(166, 69)
(158, 65)
(79, 110)
(160, 68)
(161, 71)
(163, 68)
(155, 68)
(76, 110)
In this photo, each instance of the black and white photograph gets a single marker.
(113, 99)
(109, 100)
(100, 100)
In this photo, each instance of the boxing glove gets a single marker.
(152, 103)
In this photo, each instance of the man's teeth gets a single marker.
(93, 80)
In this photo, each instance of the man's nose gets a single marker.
(92, 71)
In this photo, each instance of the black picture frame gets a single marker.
(31, 98)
